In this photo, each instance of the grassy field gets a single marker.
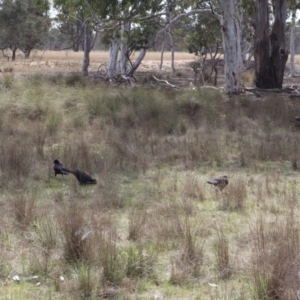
(69, 61)
(152, 228)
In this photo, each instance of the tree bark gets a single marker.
(113, 56)
(232, 45)
(279, 53)
(13, 52)
(167, 32)
(292, 44)
(123, 62)
(27, 53)
(86, 52)
(172, 52)
(270, 52)
(261, 54)
(162, 53)
(137, 62)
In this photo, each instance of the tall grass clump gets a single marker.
(39, 138)
(7, 80)
(276, 259)
(78, 155)
(76, 237)
(24, 209)
(53, 122)
(235, 196)
(222, 256)
(104, 105)
(16, 159)
(75, 79)
(201, 107)
(137, 224)
(5, 263)
(111, 260)
(188, 263)
(46, 233)
(135, 109)
(140, 261)
(151, 111)
(86, 281)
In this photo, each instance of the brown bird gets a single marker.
(221, 182)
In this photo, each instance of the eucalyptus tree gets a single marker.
(170, 6)
(230, 20)
(205, 41)
(271, 53)
(130, 28)
(75, 18)
(22, 24)
(294, 5)
(228, 13)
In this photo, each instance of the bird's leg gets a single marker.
(216, 190)
(223, 198)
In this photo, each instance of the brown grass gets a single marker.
(152, 226)
(68, 61)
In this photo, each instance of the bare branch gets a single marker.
(186, 14)
(166, 82)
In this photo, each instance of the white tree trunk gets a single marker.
(167, 32)
(162, 53)
(137, 62)
(292, 44)
(232, 45)
(123, 57)
(172, 52)
(113, 58)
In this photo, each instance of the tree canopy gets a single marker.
(127, 26)
(22, 23)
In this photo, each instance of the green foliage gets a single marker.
(53, 123)
(140, 108)
(204, 35)
(22, 24)
(112, 262)
(86, 280)
(8, 80)
(141, 34)
(140, 263)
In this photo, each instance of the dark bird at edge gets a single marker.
(83, 178)
(297, 121)
(60, 169)
(221, 182)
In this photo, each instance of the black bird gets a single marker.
(220, 182)
(297, 121)
(83, 178)
(60, 169)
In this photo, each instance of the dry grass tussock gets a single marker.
(152, 226)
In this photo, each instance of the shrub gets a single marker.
(140, 262)
(275, 259)
(71, 221)
(189, 261)
(23, 208)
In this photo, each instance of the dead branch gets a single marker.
(293, 91)
(166, 82)
(119, 79)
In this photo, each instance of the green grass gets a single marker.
(152, 226)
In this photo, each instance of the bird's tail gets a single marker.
(211, 182)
